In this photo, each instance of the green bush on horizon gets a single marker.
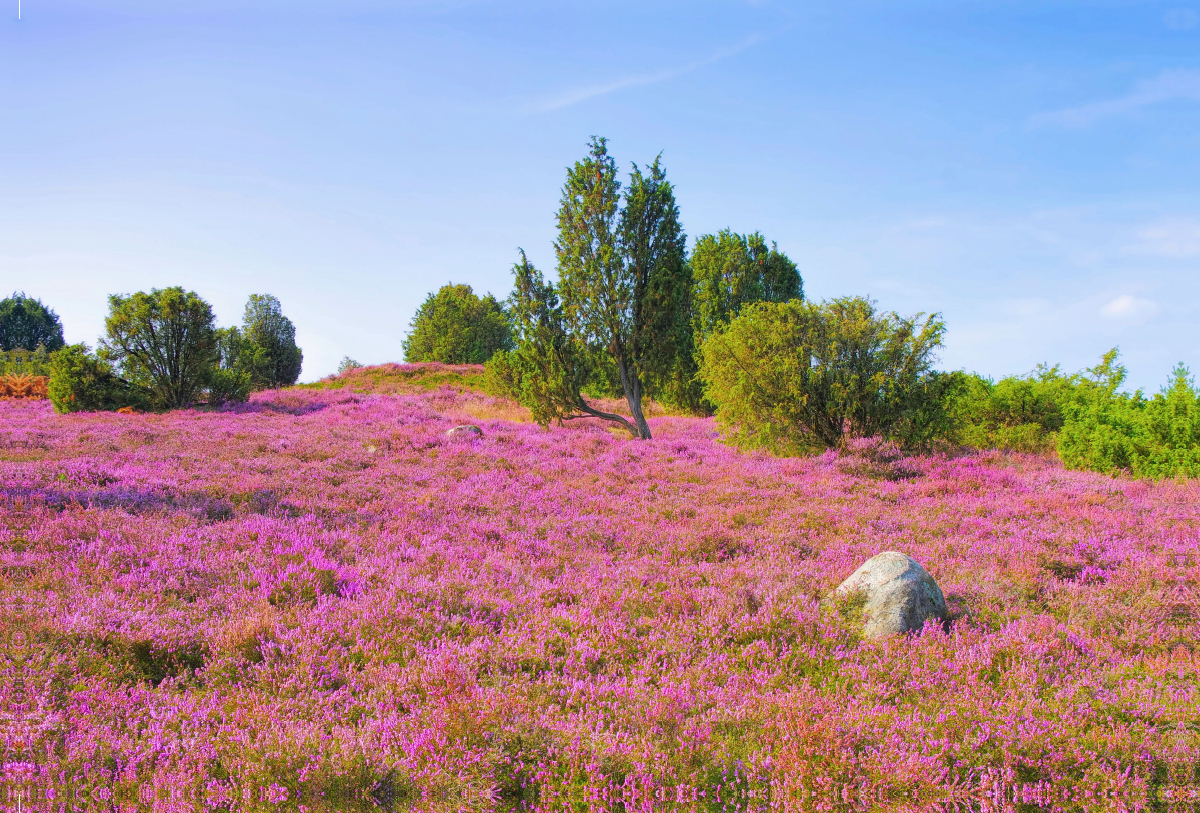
(1113, 432)
(1017, 413)
(81, 381)
(27, 324)
(454, 326)
(799, 377)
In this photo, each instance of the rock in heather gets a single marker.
(467, 430)
(899, 594)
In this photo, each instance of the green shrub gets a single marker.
(797, 377)
(1111, 432)
(502, 376)
(454, 326)
(81, 382)
(1100, 423)
(732, 270)
(272, 358)
(1019, 413)
(1170, 439)
(227, 386)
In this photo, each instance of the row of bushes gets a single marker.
(800, 377)
(163, 350)
(1085, 418)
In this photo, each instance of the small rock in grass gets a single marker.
(467, 430)
(896, 594)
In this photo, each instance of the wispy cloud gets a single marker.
(1129, 308)
(1177, 237)
(580, 94)
(1181, 19)
(1167, 86)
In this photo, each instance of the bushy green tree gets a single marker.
(27, 324)
(83, 382)
(621, 303)
(732, 270)
(659, 350)
(164, 341)
(237, 361)
(1110, 431)
(454, 326)
(795, 377)
(273, 359)
(347, 364)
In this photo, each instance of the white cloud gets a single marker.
(1181, 19)
(1167, 86)
(1178, 238)
(1129, 308)
(580, 94)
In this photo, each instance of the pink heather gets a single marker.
(319, 596)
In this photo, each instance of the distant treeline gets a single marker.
(161, 350)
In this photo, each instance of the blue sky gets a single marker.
(1029, 170)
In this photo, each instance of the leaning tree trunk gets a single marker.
(632, 385)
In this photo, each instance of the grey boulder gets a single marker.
(898, 594)
(467, 430)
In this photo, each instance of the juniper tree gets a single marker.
(732, 270)
(454, 326)
(266, 329)
(622, 293)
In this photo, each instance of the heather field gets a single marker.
(319, 601)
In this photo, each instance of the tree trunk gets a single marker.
(633, 395)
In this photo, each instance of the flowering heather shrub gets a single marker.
(318, 601)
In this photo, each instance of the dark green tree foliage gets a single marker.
(1170, 442)
(27, 324)
(454, 326)
(164, 341)
(622, 280)
(796, 377)
(266, 329)
(1100, 423)
(549, 367)
(82, 382)
(237, 361)
(732, 270)
(660, 347)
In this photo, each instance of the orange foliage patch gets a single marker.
(24, 386)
